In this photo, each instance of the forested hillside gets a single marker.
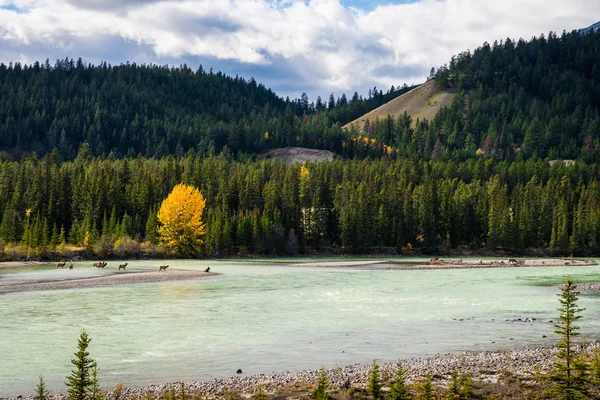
(516, 100)
(126, 110)
(477, 176)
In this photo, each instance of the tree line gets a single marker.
(266, 207)
(129, 109)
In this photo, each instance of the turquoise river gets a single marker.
(262, 316)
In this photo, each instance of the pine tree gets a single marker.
(570, 375)
(95, 392)
(454, 387)
(374, 384)
(320, 391)
(425, 390)
(41, 392)
(399, 389)
(80, 380)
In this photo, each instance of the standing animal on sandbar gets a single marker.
(122, 266)
(70, 265)
(60, 264)
(207, 269)
(100, 264)
(163, 268)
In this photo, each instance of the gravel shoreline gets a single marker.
(484, 366)
(124, 278)
(438, 263)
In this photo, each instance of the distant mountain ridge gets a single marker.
(591, 28)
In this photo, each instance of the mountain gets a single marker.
(424, 102)
(512, 101)
(591, 28)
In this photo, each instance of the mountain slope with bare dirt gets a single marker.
(421, 103)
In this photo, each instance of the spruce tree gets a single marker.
(425, 390)
(80, 380)
(454, 387)
(570, 375)
(41, 392)
(320, 391)
(95, 392)
(399, 389)
(374, 384)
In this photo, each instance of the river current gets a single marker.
(262, 316)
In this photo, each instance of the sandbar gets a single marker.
(125, 278)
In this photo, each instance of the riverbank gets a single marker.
(16, 264)
(451, 263)
(123, 278)
(486, 369)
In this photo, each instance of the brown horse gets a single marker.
(60, 264)
(122, 266)
(163, 268)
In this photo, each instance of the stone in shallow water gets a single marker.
(239, 371)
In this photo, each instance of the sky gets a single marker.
(292, 46)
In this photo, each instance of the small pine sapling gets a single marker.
(425, 389)
(320, 392)
(454, 387)
(374, 384)
(399, 389)
(41, 392)
(95, 392)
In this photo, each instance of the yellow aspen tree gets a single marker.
(180, 218)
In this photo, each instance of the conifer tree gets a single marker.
(80, 380)
(374, 384)
(320, 392)
(454, 387)
(425, 389)
(95, 391)
(399, 389)
(570, 375)
(41, 392)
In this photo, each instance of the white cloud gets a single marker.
(326, 45)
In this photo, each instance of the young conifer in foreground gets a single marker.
(570, 375)
(425, 389)
(80, 380)
(320, 392)
(41, 392)
(399, 389)
(374, 384)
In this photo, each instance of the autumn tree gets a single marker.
(180, 218)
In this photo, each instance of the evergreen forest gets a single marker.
(512, 165)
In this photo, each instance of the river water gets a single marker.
(263, 318)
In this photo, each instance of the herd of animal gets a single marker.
(102, 264)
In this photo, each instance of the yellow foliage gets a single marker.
(86, 239)
(180, 218)
(28, 212)
(304, 172)
(479, 152)
(267, 135)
